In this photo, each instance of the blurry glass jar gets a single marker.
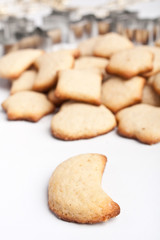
(126, 24)
(104, 25)
(145, 31)
(81, 28)
(56, 27)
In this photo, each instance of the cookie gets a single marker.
(75, 193)
(150, 96)
(56, 101)
(80, 85)
(156, 83)
(118, 93)
(13, 64)
(140, 121)
(81, 120)
(111, 43)
(24, 82)
(91, 62)
(156, 61)
(27, 105)
(48, 66)
(131, 62)
(86, 47)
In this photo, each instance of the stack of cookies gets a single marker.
(105, 82)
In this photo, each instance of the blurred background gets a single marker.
(49, 23)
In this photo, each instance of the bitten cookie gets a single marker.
(150, 96)
(140, 121)
(24, 82)
(48, 66)
(118, 93)
(75, 193)
(80, 120)
(131, 62)
(27, 105)
(109, 44)
(80, 85)
(13, 64)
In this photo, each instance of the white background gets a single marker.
(29, 155)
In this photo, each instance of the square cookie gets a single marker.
(80, 85)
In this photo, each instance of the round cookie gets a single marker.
(81, 120)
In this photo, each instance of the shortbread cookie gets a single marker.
(140, 121)
(48, 65)
(13, 64)
(131, 62)
(86, 47)
(24, 82)
(27, 105)
(110, 44)
(75, 193)
(156, 61)
(156, 83)
(118, 93)
(150, 96)
(80, 85)
(56, 101)
(91, 62)
(81, 120)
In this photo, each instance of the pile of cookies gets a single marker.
(105, 82)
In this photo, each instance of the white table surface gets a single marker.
(28, 156)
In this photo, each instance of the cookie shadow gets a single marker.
(5, 84)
